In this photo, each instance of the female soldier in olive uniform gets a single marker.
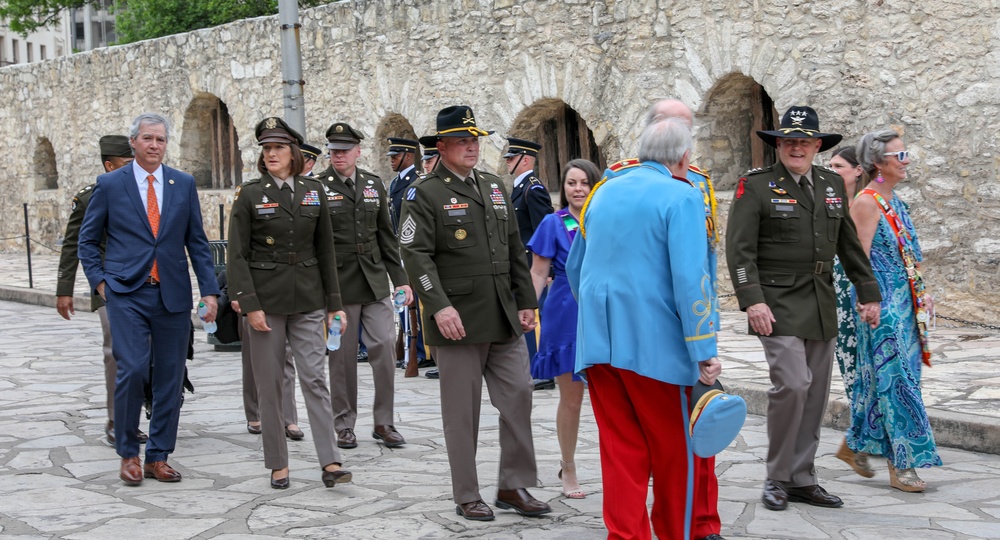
(281, 255)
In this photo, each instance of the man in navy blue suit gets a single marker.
(150, 214)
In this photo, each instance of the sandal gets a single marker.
(906, 480)
(571, 488)
(858, 462)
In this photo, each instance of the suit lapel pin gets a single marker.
(171, 182)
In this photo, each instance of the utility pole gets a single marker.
(291, 65)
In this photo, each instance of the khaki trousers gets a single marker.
(288, 409)
(504, 365)
(800, 377)
(304, 333)
(377, 321)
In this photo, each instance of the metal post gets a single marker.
(27, 245)
(222, 221)
(291, 65)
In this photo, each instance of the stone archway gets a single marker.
(392, 125)
(563, 134)
(726, 141)
(210, 148)
(44, 165)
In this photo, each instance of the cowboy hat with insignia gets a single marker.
(454, 121)
(800, 122)
(341, 136)
(274, 130)
(115, 146)
(524, 147)
(398, 145)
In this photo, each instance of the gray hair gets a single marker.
(871, 150)
(148, 119)
(662, 109)
(665, 141)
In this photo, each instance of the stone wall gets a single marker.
(930, 71)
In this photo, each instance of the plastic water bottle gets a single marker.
(399, 301)
(333, 334)
(210, 327)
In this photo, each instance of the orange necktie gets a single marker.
(153, 212)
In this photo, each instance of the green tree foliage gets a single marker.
(137, 20)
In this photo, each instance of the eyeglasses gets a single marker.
(902, 155)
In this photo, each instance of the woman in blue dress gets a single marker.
(557, 343)
(888, 417)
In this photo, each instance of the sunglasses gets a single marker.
(902, 155)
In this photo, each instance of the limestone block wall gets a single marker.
(929, 70)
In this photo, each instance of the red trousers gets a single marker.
(643, 433)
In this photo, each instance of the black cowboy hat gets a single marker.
(800, 122)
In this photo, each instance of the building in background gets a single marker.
(83, 29)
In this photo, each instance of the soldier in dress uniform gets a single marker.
(430, 157)
(786, 224)
(311, 155)
(367, 257)
(115, 153)
(463, 252)
(532, 203)
(282, 270)
(430, 160)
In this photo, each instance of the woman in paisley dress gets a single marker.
(888, 417)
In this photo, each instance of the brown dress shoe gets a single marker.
(109, 431)
(161, 471)
(774, 497)
(131, 472)
(389, 436)
(815, 496)
(520, 501)
(346, 438)
(339, 476)
(475, 511)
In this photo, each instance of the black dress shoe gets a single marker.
(339, 476)
(401, 363)
(362, 356)
(347, 439)
(253, 430)
(520, 501)
(294, 434)
(544, 384)
(774, 497)
(279, 483)
(432, 374)
(475, 511)
(389, 436)
(815, 496)
(141, 436)
(426, 362)
(109, 431)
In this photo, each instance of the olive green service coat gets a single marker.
(282, 259)
(362, 231)
(780, 249)
(463, 249)
(68, 259)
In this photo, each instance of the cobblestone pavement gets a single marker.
(58, 478)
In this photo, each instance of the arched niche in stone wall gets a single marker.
(210, 148)
(44, 165)
(563, 134)
(393, 125)
(726, 141)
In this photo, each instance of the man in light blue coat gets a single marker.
(646, 334)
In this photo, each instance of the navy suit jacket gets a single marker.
(117, 209)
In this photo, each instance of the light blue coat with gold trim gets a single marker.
(641, 277)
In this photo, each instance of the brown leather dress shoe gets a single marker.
(774, 497)
(475, 511)
(520, 501)
(815, 496)
(252, 429)
(389, 436)
(346, 438)
(339, 476)
(161, 471)
(294, 434)
(131, 472)
(109, 431)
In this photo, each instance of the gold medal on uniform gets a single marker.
(269, 240)
(461, 234)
